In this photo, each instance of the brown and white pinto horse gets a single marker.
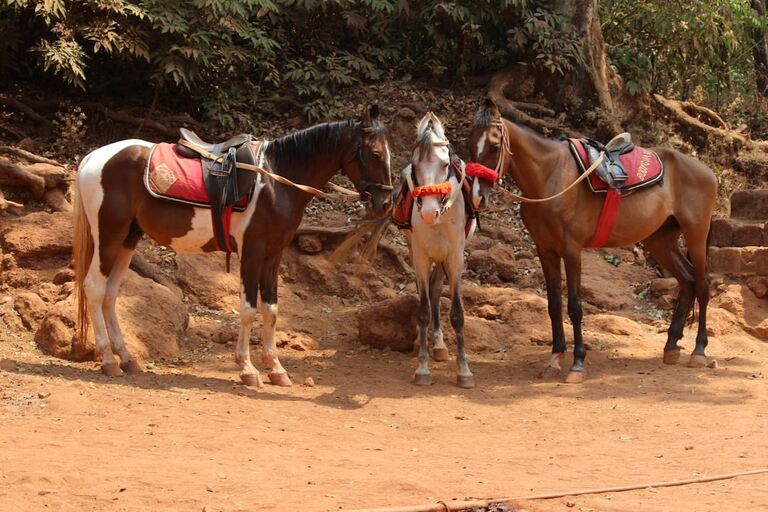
(114, 210)
(561, 228)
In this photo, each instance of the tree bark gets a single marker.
(760, 50)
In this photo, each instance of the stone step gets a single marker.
(738, 233)
(739, 260)
(750, 204)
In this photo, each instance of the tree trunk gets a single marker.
(760, 50)
(585, 20)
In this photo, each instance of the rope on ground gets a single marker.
(457, 506)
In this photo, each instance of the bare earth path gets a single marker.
(191, 438)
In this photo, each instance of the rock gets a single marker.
(721, 322)
(721, 233)
(748, 234)
(391, 323)
(56, 334)
(49, 292)
(498, 261)
(739, 260)
(612, 324)
(203, 277)
(224, 335)
(64, 276)
(406, 113)
(750, 311)
(294, 340)
(7, 365)
(309, 382)
(524, 310)
(152, 319)
(31, 309)
(664, 286)
(750, 204)
(309, 244)
(40, 235)
(758, 285)
(487, 311)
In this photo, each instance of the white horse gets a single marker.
(436, 241)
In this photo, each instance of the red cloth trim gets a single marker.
(226, 221)
(607, 219)
(478, 170)
(442, 189)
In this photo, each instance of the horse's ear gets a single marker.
(491, 107)
(374, 112)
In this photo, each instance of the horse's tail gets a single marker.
(376, 228)
(82, 253)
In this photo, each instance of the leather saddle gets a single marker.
(226, 185)
(611, 170)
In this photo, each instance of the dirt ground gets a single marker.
(353, 432)
(186, 435)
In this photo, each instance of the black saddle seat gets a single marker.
(241, 142)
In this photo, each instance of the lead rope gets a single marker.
(347, 195)
(515, 198)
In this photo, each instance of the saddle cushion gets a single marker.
(173, 177)
(643, 167)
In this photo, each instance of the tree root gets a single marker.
(16, 175)
(25, 109)
(513, 110)
(12, 206)
(44, 178)
(26, 155)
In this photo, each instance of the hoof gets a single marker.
(465, 381)
(672, 356)
(698, 361)
(441, 354)
(280, 379)
(131, 366)
(252, 379)
(422, 379)
(575, 377)
(111, 370)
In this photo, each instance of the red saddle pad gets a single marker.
(643, 167)
(176, 178)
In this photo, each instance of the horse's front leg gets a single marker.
(550, 264)
(277, 374)
(573, 278)
(421, 265)
(439, 350)
(464, 377)
(248, 373)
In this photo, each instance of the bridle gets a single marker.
(448, 190)
(504, 148)
(365, 183)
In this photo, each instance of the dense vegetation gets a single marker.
(223, 56)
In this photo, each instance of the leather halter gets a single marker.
(365, 183)
(447, 200)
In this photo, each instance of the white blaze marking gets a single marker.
(480, 145)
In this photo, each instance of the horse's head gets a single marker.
(487, 147)
(430, 170)
(368, 167)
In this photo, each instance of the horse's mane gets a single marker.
(297, 148)
(484, 118)
(428, 126)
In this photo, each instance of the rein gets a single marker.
(515, 198)
(347, 195)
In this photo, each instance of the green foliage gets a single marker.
(694, 50)
(221, 55)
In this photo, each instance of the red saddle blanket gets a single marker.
(173, 177)
(643, 168)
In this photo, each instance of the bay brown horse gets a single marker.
(682, 204)
(114, 210)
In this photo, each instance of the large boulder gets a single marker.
(39, 235)
(496, 263)
(391, 323)
(152, 319)
(204, 278)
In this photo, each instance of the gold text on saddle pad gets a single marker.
(162, 178)
(645, 162)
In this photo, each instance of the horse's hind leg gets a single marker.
(665, 249)
(464, 377)
(119, 270)
(439, 351)
(696, 240)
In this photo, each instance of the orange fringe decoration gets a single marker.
(443, 189)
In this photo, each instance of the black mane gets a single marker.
(296, 149)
